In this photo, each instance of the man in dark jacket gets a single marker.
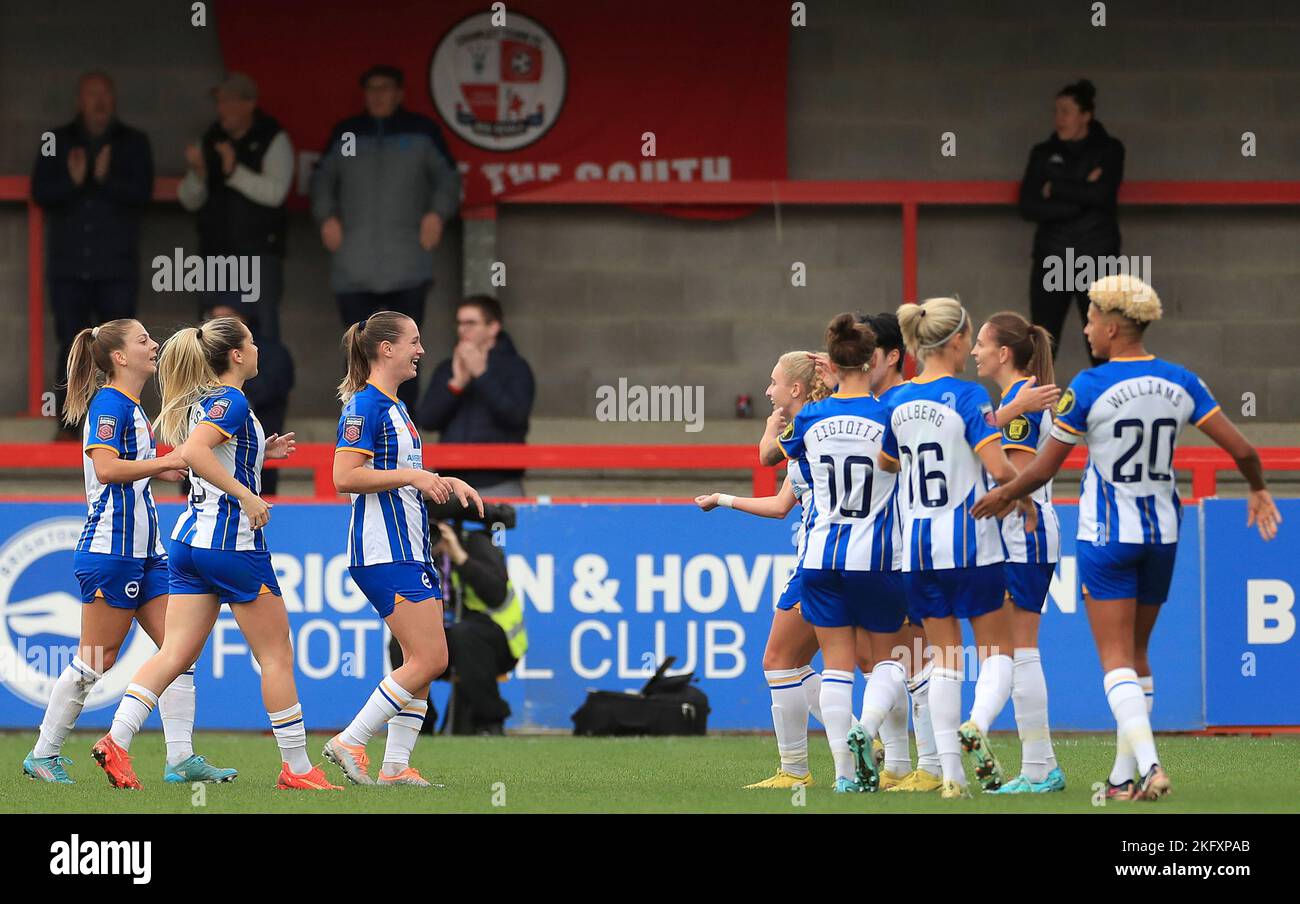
(239, 175)
(483, 393)
(92, 186)
(1070, 190)
(382, 193)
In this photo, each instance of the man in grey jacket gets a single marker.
(382, 193)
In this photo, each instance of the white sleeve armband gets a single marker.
(1066, 436)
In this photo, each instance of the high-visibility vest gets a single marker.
(509, 618)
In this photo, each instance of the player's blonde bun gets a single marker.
(1127, 295)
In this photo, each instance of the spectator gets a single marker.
(485, 629)
(483, 393)
(92, 188)
(239, 175)
(268, 392)
(383, 207)
(1070, 190)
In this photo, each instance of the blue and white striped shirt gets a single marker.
(392, 525)
(1029, 433)
(1130, 411)
(852, 524)
(214, 520)
(121, 519)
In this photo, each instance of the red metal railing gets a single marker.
(908, 196)
(1204, 464)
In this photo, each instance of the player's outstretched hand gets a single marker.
(278, 446)
(708, 502)
(1262, 510)
(465, 493)
(994, 504)
(431, 485)
(1039, 398)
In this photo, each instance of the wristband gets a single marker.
(727, 500)
(454, 389)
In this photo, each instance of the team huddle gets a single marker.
(923, 505)
(217, 552)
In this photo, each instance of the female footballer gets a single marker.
(379, 462)
(1129, 412)
(119, 560)
(942, 439)
(218, 553)
(1017, 355)
(794, 685)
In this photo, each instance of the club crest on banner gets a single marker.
(498, 88)
(40, 617)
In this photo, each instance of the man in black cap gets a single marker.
(239, 175)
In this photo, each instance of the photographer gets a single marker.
(484, 623)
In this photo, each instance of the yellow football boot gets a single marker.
(889, 780)
(920, 781)
(953, 791)
(785, 780)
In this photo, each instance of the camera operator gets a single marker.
(484, 623)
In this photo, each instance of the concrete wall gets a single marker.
(596, 294)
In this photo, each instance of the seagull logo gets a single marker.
(40, 616)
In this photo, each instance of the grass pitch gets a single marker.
(638, 775)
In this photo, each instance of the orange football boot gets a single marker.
(116, 763)
(314, 780)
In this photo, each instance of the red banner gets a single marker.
(564, 90)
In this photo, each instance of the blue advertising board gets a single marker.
(1252, 653)
(610, 590)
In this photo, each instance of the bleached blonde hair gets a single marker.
(1127, 295)
(799, 367)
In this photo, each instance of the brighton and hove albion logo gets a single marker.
(40, 617)
(498, 87)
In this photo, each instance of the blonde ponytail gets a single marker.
(189, 367)
(90, 365)
(930, 324)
